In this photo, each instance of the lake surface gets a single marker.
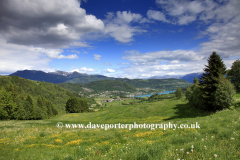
(148, 95)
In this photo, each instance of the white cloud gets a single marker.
(97, 57)
(157, 15)
(120, 27)
(109, 70)
(54, 53)
(85, 52)
(46, 24)
(186, 19)
(155, 57)
(16, 57)
(83, 70)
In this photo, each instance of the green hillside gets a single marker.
(88, 78)
(57, 95)
(167, 84)
(72, 87)
(110, 85)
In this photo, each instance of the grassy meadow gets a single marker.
(217, 138)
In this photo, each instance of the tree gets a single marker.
(210, 79)
(224, 95)
(21, 112)
(42, 104)
(194, 95)
(188, 93)
(72, 105)
(7, 104)
(29, 107)
(234, 74)
(178, 93)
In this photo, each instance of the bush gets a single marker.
(224, 95)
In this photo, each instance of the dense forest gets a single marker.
(26, 99)
(167, 84)
(110, 85)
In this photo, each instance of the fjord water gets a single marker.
(148, 95)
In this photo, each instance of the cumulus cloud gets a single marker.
(47, 24)
(157, 15)
(17, 57)
(109, 70)
(97, 57)
(83, 70)
(159, 63)
(155, 57)
(188, 11)
(54, 53)
(120, 27)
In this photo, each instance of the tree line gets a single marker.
(16, 106)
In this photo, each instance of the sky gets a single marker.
(118, 38)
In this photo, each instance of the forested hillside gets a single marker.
(167, 84)
(110, 85)
(72, 87)
(16, 92)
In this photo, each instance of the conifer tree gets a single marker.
(30, 107)
(210, 79)
(41, 104)
(3, 112)
(21, 112)
(49, 108)
(224, 95)
(178, 93)
(234, 74)
(195, 95)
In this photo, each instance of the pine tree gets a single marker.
(195, 95)
(49, 108)
(178, 93)
(224, 95)
(41, 104)
(7, 103)
(188, 93)
(3, 112)
(234, 74)
(30, 107)
(21, 112)
(210, 79)
(72, 105)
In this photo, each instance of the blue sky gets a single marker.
(118, 38)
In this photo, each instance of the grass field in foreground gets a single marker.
(217, 138)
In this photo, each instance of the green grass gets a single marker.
(217, 138)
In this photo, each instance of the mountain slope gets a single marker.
(40, 76)
(190, 77)
(110, 85)
(60, 76)
(167, 84)
(56, 94)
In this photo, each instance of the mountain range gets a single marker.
(83, 78)
(187, 77)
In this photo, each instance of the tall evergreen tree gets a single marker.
(234, 74)
(224, 95)
(21, 112)
(3, 111)
(41, 104)
(30, 107)
(194, 95)
(178, 93)
(210, 79)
